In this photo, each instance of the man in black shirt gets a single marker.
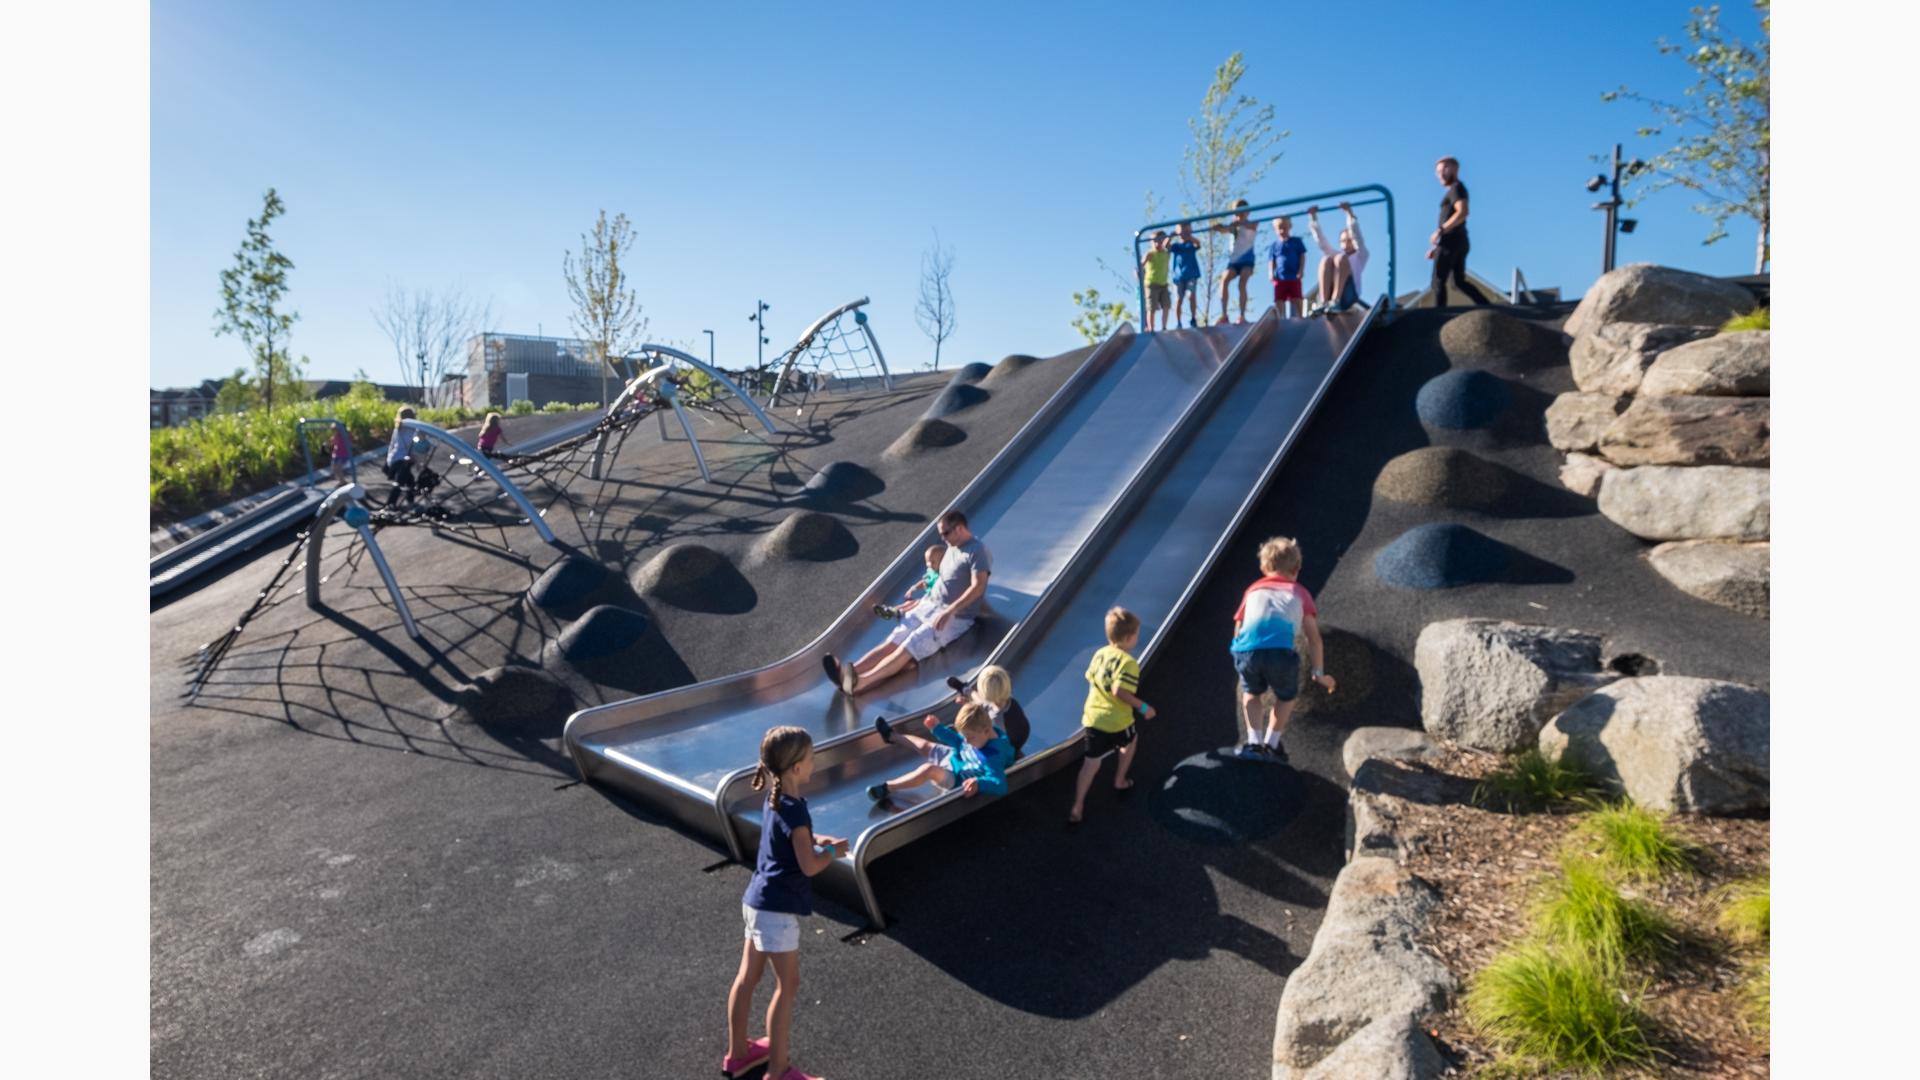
(1448, 248)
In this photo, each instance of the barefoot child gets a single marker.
(778, 895)
(935, 552)
(971, 756)
(1273, 609)
(1111, 707)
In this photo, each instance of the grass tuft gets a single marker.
(1746, 915)
(1559, 1009)
(1583, 912)
(1759, 318)
(1530, 780)
(1635, 842)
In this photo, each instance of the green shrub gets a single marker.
(520, 408)
(1635, 842)
(1759, 318)
(1561, 1010)
(556, 407)
(1747, 912)
(1530, 780)
(1582, 911)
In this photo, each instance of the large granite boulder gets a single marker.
(1736, 576)
(1582, 473)
(1671, 502)
(1613, 358)
(1386, 743)
(1576, 420)
(1492, 685)
(1725, 365)
(1365, 966)
(1390, 1048)
(1645, 293)
(1690, 430)
(1672, 743)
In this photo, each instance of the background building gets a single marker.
(504, 368)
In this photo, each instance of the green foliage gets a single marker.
(250, 294)
(1559, 1010)
(1724, 130)
(1097, 321)
(605, 311)
(1234, 145)
(1760, 318)
(1747, 914)
(1634, 842)
(557, 407)
(1582, 912)
(523, 407)
(1530, 780)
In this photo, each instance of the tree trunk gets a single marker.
(1760, 249)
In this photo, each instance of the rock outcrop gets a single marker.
(1645, 293)
(1492, 685)
(1690, 430)
(1725, 365)
(1582, 473)
(1613, 358)
(1707, 502)
(1576, 420)
(1736, 576)
(1672, 743)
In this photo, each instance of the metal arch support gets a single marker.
(886, 377)
(485, 464)
(647, 379)
(793, 353)
(344, 497)
(715, 373)
(306, 449)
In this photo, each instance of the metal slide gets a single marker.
(683, 751)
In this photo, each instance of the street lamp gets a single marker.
(759, 319)
(709, 334)
(1612, 205)
(422, 357)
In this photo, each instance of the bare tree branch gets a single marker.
(934, 311)
(429, 332)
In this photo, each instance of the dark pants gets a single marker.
(1450, 261)
(401, 473)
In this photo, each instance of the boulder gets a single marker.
(1736, 576)
(1377, 802)
(1487, 333)
(1725, 365)
(1492, 685)
(1390, 1048)
(1672, 743)
(1645, 293)
(924, 435)
(1387, 743)
(1576, 420)
(1365, 966)
(1441, 476)
(1614, 358)
(1671, 502)
(1690, 430)
(1583, 473)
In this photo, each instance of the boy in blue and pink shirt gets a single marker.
(1274, 613)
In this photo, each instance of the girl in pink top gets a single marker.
(490, 433)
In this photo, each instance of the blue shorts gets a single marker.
(1269, 669)
(1244, 262)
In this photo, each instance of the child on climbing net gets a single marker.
(399, 464)
(779, 894)
(1274, 612)
(935, 552)
(1111, 709)
(971, 756)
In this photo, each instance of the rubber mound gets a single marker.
(1011, 365)
(973, 373)
(1442, 476)
(1442, 556)
(842, 482)
(806, 536)
(1485, 333)
(1220, 799)
(1462, 400)
(924, 435)
(954, 398)
(1351, 661)
(514, 700)
(576, 583)
(618, 647)
(696, 578)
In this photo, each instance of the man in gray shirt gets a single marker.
(946, 612)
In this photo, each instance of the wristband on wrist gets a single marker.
(1318, 672)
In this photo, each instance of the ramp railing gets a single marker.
(1261, 213)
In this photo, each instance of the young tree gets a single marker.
(236, 393)
(429, 332)
(1234, 145)
(1725, 134)
(934, 311)
(1097, 320)
(605, 312)
(250, 294)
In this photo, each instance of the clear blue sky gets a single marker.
(803, 156)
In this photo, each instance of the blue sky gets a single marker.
(805, 157)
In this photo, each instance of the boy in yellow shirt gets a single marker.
(1111, 708)
(1156, 265)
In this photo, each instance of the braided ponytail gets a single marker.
(780, 750)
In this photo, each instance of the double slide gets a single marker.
(1122, 489)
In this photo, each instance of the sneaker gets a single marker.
(757, 1052)
(884, 612)
(847, 677)
(878, 793)
(1276, 752)
(1251, 750)
(885, 729)
(831, 667)
(793, 1073)
(954, 684)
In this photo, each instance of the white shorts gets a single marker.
(916, 632)
(772, 931)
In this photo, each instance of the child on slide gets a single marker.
(1245, 233)
(935, 552)
(993, 687)
(971, 757)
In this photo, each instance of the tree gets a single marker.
(605, 312)
(1724, 152)
(1234, 145)
(250, 293)
(934, 311)
(429, 332)
(236, 393)
(1097, 321)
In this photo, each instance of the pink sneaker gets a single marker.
(757, 1052)
(794, 1073)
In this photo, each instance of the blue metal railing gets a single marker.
(1282, 207)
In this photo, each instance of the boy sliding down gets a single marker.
(970, 756)
(1273, 608)
(1111, 708)
(935, 552)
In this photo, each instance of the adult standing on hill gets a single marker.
(1448, 245)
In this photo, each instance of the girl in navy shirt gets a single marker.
(778, 895)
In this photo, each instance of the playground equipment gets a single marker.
(829, 351)
(660, 386)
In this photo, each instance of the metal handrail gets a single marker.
(1145, 232)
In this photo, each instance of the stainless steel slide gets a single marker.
(687, 751)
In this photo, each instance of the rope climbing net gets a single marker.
(838, 348)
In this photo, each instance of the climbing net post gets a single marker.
(839, 346)
(344, 503)
(677, 380)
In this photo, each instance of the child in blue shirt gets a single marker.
(970, 756)
(935, 552)
(1186, 274)
(1286, 257)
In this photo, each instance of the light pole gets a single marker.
(422, 357)
(759, 319)
(709, 334)
(1615, 223)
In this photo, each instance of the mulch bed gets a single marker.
(1487, 865)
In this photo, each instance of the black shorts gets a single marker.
(1269, 669)
(1101, 743)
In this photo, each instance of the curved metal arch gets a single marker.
(485, 464)
(714, 373)
(793, 353)
(649, 378)
(343, 498)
